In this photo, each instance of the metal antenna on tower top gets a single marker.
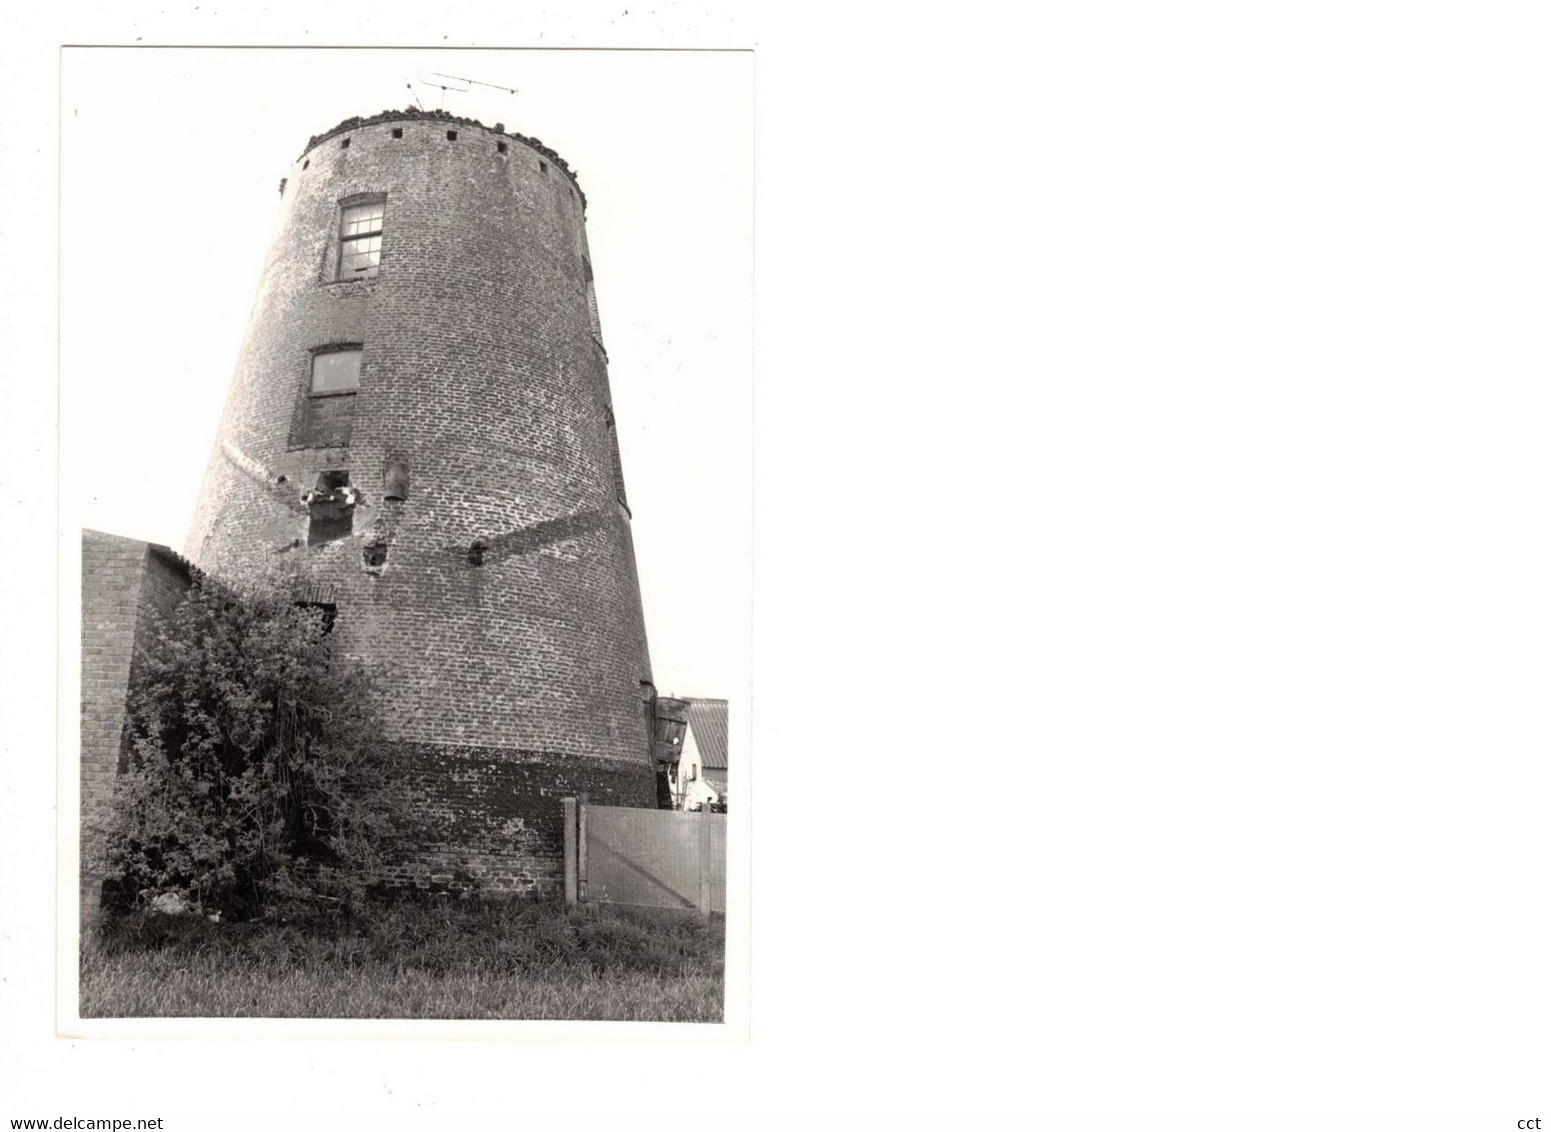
(458, 84)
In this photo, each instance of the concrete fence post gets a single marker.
(581, 847)
(570, 850)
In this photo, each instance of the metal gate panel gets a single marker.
(655, 858)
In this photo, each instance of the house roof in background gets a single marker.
(708, 720)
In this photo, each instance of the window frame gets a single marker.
(343, 241)
(306, 431)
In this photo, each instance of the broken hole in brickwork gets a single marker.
(325, 610)
(281, 479)
(477, 553)
(330, 508)
(375, 554)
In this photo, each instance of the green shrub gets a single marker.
(257, 776)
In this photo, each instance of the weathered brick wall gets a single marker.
(502, 817)
(481, 371)
(125, 584)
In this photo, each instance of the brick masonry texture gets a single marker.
(481, 372)
(125, 585)
(502, 812)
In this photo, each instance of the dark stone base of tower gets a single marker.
(500, 810)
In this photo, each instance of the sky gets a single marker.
(170, 166)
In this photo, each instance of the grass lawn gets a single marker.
(456, 960)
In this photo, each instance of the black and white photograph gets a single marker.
(405, 417)
(792, 565)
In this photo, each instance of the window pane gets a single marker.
(361, 218)
(335, 371)
(360, 254)
(358, 262)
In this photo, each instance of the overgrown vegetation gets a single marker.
(257, 779)
(466, 959)
(259, 794)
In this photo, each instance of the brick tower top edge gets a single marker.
(420, 432)
(416, 114)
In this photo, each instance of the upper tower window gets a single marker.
(360, 239)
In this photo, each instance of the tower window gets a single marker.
(327, 408)
(500, 147)
(338, 371)
(398, 131)
(325, 611)
(360, 239)
(345, 144)
(452, 135)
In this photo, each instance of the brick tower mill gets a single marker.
(420, 422)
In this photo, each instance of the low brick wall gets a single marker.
(125, 584)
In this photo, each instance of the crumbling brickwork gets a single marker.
(125, 585)
(498, 598)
